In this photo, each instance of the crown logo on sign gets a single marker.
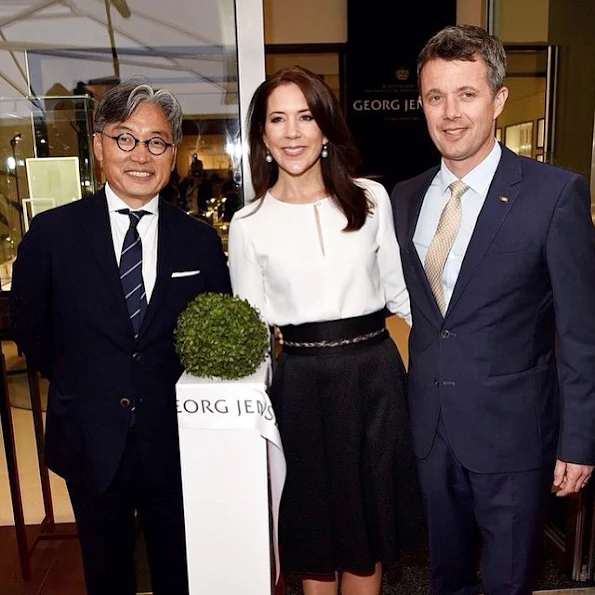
(402, 74)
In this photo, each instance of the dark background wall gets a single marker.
(384, 38)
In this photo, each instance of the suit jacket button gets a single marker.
(125, 402)
(436, 382)
(136, 356)
(445, 334)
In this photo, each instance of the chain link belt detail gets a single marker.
(337, 343)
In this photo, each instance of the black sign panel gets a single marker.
(383, 111)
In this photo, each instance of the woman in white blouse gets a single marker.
(316, 253)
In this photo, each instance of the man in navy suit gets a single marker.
(97, 288)
(499, 257)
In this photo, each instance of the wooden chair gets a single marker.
(47, 526)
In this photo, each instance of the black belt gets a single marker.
(315, 338)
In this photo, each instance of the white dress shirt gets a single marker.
(294, 262)
(147, 230)
(438, 194)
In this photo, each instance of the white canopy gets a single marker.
(184, 45)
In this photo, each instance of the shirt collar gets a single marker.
(115, 203)
(479, 178)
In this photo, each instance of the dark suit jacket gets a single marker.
(71, 321)
(509, 400)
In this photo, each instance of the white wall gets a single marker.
(523, 21)
(471, 12)
(325, 21)
(305, 21)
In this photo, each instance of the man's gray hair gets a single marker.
(119, 103)
(467, 42)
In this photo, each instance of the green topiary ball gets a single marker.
(221, 336)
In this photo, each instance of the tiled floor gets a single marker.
(57, 570)
(55, 567)
(412, 578)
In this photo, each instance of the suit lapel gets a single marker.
(491, 217)
(98, 229)
(166, 251)
(414, 209)
(415, 204)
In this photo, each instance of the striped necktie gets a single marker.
(443, 240)
(131, 270)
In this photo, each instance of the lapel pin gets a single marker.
(504, 198)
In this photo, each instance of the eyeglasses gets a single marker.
(126, 142)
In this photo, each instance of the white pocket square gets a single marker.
(184, 274)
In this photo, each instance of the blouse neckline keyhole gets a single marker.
(319, 226)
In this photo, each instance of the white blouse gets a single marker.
(294, 262)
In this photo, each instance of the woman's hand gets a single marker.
(278, 335)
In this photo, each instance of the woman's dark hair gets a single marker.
(338, 168)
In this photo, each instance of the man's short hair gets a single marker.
(119, 103)
(467, 42)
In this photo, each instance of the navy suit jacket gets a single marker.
(511, 365)
(71, 320)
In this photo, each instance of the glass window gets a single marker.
(58, 59)
(525, 122)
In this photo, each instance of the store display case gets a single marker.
(46, 159)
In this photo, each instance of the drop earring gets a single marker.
(324, 152)
(268, 158)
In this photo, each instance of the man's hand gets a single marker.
(570, 478)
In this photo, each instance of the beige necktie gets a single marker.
(441, 244)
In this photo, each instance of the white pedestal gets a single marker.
(227, 436)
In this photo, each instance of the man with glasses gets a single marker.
(97, 288)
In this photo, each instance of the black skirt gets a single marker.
(351, 497)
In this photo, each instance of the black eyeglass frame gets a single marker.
(138, 141)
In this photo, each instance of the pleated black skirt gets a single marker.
(351, 497)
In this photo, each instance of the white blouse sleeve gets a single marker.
(389, 258)
(245, 271)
